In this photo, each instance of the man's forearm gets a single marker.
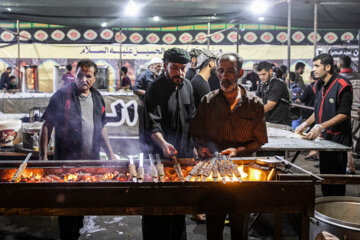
(140, 92)
(334, 120)
(106, 144)
(44, 139)
(269, 106)
(310, 120)
(158, 139)
(250, 148)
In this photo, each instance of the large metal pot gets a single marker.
(339, 216)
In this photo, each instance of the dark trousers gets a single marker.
(164, 227)
(69, 227)
(238, 226)
(333, 163)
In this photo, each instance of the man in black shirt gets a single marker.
(169, 109)
(275, 96)
(251, 79)
(332, 111)
(207, 65)
(191, 72)
(5, 79)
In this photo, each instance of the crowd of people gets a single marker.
(181, 117)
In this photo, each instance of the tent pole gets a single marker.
(289, 35)
(18, 46)
(237, 37)
(120, 57)
(208, 40)
(315, 25)
(359, 50)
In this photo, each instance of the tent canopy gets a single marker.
(338, 14)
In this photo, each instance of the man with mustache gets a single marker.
(169, 109)
(230, 121)
(77, 111)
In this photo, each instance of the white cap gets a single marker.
(155, 61)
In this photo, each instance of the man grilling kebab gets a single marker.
(169, 109)
(231, 121)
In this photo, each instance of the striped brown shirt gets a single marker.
(217, 127)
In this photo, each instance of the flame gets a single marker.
(70, 177)
(241, 171)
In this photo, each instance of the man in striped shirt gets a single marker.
(231, 121)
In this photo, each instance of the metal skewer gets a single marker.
(140, 174)
(160, 168)
(21, 169)
(153, 171)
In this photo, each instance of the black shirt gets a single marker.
(169, 110)
(214, 82)
(308, 99)
(201, 88)
(190, 74)
(276, 90)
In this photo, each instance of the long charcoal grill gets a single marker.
(150, 198)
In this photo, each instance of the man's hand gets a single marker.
(168, 150)
(204, 152)
(231, 152)
(302, 127)
(315, 132)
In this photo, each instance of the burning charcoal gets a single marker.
(178, 171)
(194, 171)
(160, 170)
(140, 174)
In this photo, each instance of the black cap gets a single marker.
(176, 55)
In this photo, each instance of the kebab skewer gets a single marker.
(194, 171)
(228, 169)
(201, 171)
(208, 170)
(153, 171)
(222, 171)
(160, 168)
(215, 171)
(177, 169)
(132, 168)
(235, 170)
(140, 173)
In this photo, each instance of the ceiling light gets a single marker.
(261, 19)
(156, 18)
(104, 24)
(9, 9)
(213, 16)
(259, 7)
(131, 9)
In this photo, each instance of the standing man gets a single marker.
(191, 72)
(299, 70)
(333, 99)
(68, 77)
(169, 109)
(230, 121)
(275, 95)
(5, 79)
(142, 84)
(77, 111)
(125, 82)
(252, 79)
(344, 64)
(206, 62)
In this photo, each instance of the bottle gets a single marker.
(35, 138)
